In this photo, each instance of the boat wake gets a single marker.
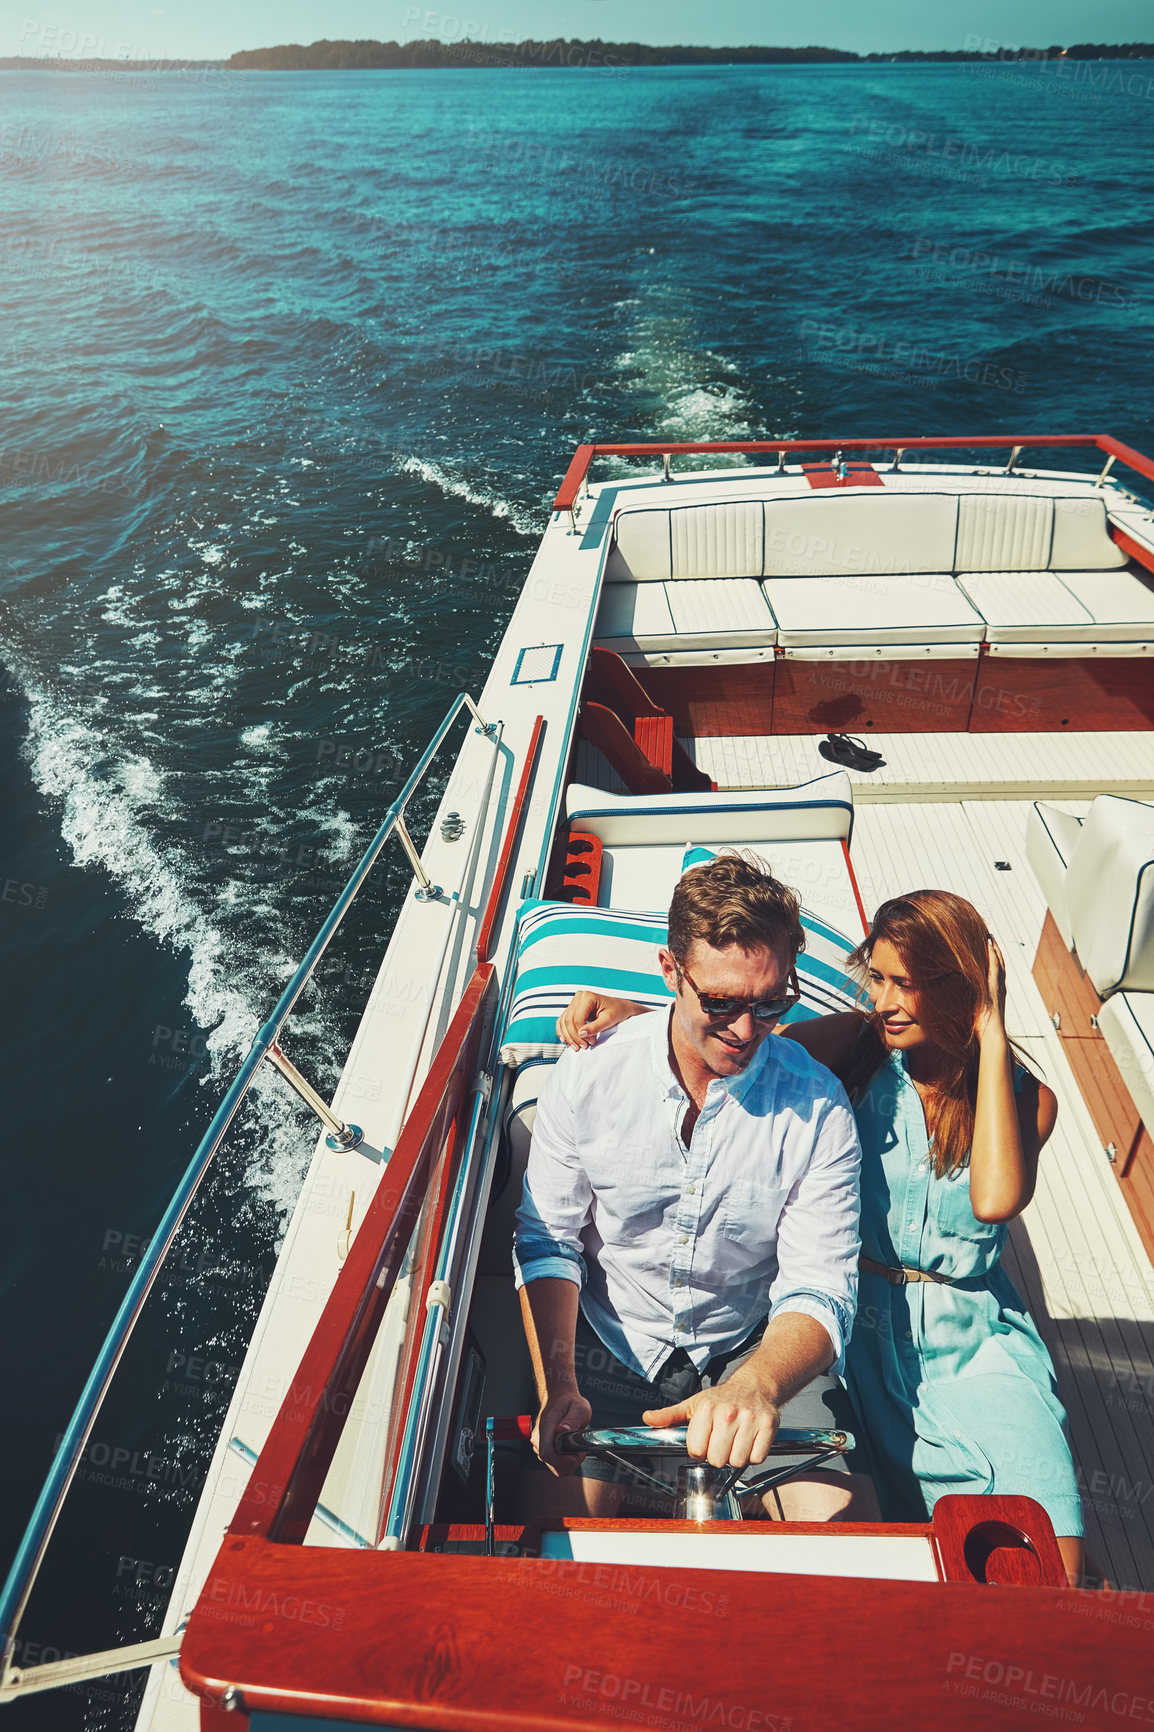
(109, 798)
(523, 521)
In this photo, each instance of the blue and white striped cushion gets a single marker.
(563, 949)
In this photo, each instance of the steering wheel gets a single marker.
(705, 1492)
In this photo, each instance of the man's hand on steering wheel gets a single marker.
(732, 1424)
(565, 1409)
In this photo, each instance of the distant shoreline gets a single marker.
(574, 53)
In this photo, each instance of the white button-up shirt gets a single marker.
(691, 1247)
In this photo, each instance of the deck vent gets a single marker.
(537, 664)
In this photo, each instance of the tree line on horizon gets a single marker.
(577, 52)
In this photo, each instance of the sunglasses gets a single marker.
(761, 1009)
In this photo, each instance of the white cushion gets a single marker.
(640, 551)
(634, 616)
(810, 812)
(1003, 532)
(869, 609)
(1127, 1025)
(1082, 539)
(1051, 837)
(1110, 895)
(723, 540)
(872, 531)
(720, 612)
(1119, 603)
(1026, 606)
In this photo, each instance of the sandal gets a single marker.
(851, 753)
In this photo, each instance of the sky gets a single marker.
(214, 29)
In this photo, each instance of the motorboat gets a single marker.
(704, 630)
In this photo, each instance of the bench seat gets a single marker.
(902, 608)
(1048, 607)
(711, 613)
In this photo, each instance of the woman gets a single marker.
(951, 1383)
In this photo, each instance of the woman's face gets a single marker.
(894, 998)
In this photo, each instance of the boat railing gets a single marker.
(577, 475)
(21, 1578)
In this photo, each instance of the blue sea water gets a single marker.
(293, 364)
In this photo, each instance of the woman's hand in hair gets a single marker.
(589, 1014)
(990, 1021)
(1010, 1126)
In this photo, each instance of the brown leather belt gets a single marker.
(903, 1276)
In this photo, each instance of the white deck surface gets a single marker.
(951, 766)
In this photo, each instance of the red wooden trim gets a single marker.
(464, 1643)
(1134, 548)
(865, 925)
(654, 734)
(582, 880)
(911, 695)
(604, 729)
(1034, 694)
(511, 834)
(584, 455)
(574, 476)
(285, 1483)
(1003, 1540)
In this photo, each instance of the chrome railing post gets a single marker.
(427, 891)
(341, 1136)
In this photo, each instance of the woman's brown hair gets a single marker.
(943, 944)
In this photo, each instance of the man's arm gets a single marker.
(549, 1312)
(736, 1421)
(555, 1206)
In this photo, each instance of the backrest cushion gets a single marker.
(828, 534)
(1082, 540)
(1004, 532)
(813, 811)
(561, 950)
(1110, 895)
(722, 540)
(839, 534)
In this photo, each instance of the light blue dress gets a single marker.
(953, 1386)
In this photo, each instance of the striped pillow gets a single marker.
(561, 949)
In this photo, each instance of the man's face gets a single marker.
(724, 1045)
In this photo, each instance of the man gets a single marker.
(690, 1212)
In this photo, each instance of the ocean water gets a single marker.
(293, 364)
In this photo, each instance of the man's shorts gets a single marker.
(619, 1396)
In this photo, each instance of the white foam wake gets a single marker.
(524, 522)
(106, 794)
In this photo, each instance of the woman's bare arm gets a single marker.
(1009, 1129)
